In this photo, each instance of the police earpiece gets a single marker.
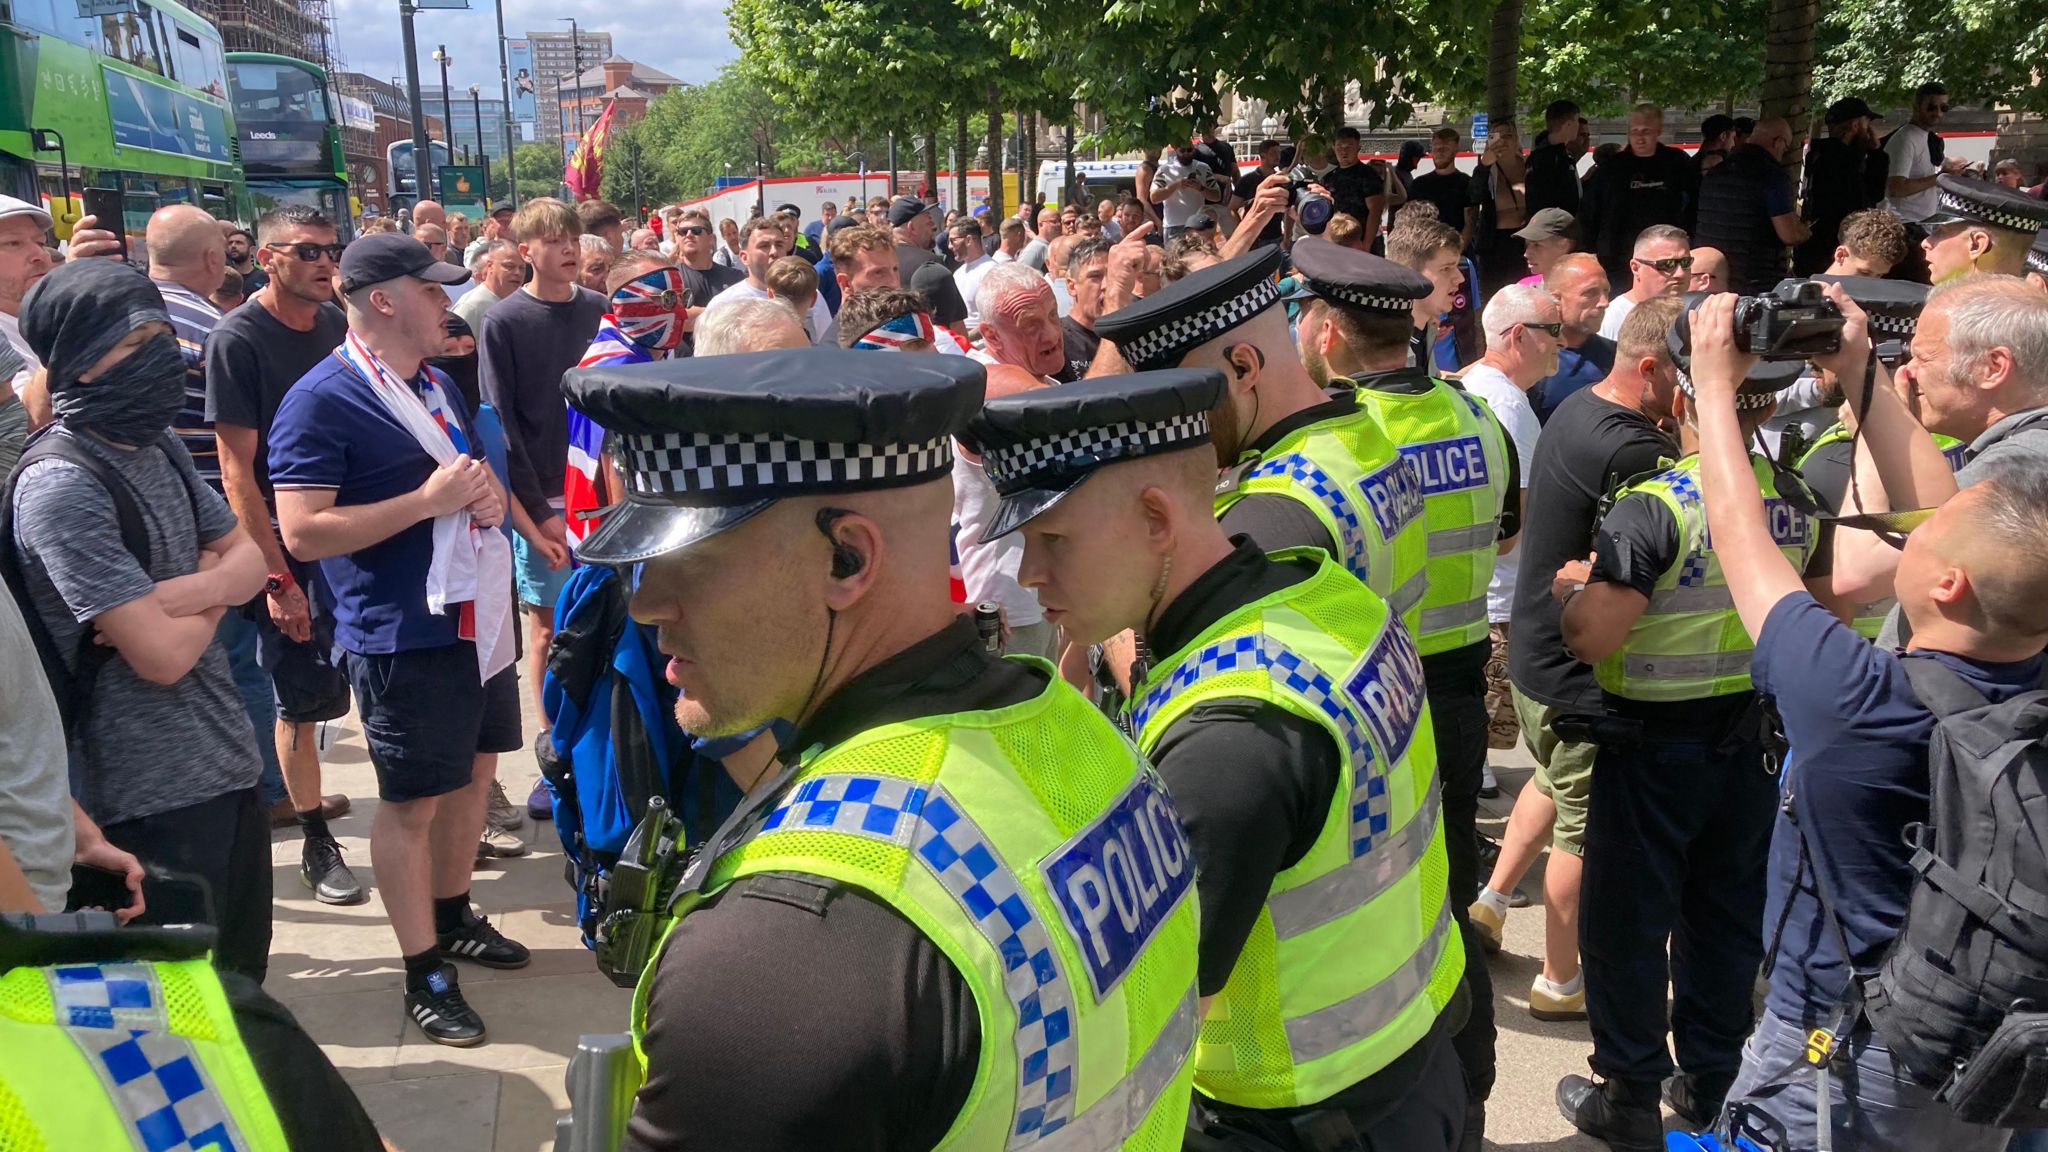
(846, 561)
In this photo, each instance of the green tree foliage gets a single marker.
(540, 170)
(697, 133)
(1985, 51)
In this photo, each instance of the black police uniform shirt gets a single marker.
(1858, 772)
(1590, 447)
(1635, 544)
(791, 1011)
(1253, 783)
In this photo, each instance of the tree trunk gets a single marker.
(995, 153)
(931, 162)
(1788, 72)
(963, 155)
(1027, 159)
(1070, 183)
(1504, 52)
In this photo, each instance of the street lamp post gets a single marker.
(575, 71)
(476, 106)
(421, 157)
(505, 85)
(442, 58)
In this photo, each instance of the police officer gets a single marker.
(129, 1038)
(1893, 308)
(1286, 713)
(1304, 469)
(1978, 226)
(1682, 799)
(955, 913)
(2037, 262)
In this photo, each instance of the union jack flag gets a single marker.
(580, 491)
(892, 335)
(651, 310)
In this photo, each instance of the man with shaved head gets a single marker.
(187, 257)
(1584, 356)
(1746, 208)
(428, 212)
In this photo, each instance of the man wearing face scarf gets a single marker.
(647, 318)
(163, 760)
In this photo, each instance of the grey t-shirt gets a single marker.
(145, 748)
(35, 789)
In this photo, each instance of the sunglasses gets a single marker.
(1667, 266)
(693, 230)
(1556, 330)
(309, 252)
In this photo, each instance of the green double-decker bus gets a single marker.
(130, 95)
(288, 136)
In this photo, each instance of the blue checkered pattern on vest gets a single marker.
(1692, 571)
(1301, 470)
(960, 857)
(1371, 805)
(153, 1077)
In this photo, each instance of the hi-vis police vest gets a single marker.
(127, 1055)
(1689, 644)
(1460, 458)
(1039, 851)
(1869, 619)
(1365, 493)
(1355, 952)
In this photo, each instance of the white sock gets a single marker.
(1494, 900)
(1570, 988)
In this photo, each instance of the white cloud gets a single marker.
(685, 38)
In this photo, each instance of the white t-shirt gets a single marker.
(10, 330)
(1907, 150)
(1511, 407)
(1179, 206)
(817, 326)
(1617, 311)
(989, 569)
(967, 278)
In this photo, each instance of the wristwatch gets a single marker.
(277, 582)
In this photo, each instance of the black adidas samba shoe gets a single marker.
(479, 943)
(438, 1008)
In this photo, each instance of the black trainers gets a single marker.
(441, 1012)
(479, 943)
(1628, 1120)
(1697, 1100)
(321, 869)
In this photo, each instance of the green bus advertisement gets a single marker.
(288, 134)
(130, 95)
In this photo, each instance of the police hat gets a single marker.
(2037, 256)
(1964, 200)
(1765, 380)
(1038, 445)
(1893, 307)
(1158, 330)
(1360, 279)
(704, 443)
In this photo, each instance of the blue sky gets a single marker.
(685, 38)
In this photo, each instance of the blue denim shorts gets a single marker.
(537, 586)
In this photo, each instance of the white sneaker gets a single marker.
(502, 815)
(497, 842)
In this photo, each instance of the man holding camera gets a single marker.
(1680, 807)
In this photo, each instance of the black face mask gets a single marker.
(133, 402)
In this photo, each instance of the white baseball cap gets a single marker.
(10, 208)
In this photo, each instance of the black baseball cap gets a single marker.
(386, 256)
(1848, 108)
(904, 209)
(788, 210)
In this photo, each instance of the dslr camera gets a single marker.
(1313, 209)
(1790, 322)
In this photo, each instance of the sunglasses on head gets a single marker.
(1668, 265)
(309, 252)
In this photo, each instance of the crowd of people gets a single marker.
(1293, 487)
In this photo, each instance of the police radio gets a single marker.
(634, 897)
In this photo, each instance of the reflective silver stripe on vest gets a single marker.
(1410, 593)
(1114, 1119)
(1332, 1029)
(1687, 599)
(1701, 666)
(1471, 538)
(1353, 886)
(1445, 617)
(114, 1013)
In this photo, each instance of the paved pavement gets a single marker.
(338, 970)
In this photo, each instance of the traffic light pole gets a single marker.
(422, 159)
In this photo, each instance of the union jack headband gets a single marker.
(892, 335)
(652, 309)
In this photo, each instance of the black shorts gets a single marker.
(306, 679)
(426, 718)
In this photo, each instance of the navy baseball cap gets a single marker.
(384, 256)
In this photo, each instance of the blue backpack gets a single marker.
(613, 742)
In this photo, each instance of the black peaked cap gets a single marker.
(1156, 331)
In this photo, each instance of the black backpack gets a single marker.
(1961, 998)
(70, 682)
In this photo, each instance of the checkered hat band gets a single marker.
(678, 463)
(1996, 217)
(1370, 301)
(1901, 327)
(1089, 447)
(1162, 347)
(1743, 400)
(2037, 261)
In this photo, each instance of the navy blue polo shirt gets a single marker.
(1589, 363)
(1858, 766)
(331, 431)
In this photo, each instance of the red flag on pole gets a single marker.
(585, 174)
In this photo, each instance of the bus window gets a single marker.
(130, 37)
(199, 63)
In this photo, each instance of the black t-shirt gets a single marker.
(872, 1040)
(1839, 179)
(1351, 187)
(1451, 192)
(253, 359)
(1629, 193)
(1080, 344)
(1589, 447)
(1246, 189)
(525, 346)
(704, 283)
(1553, 179)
